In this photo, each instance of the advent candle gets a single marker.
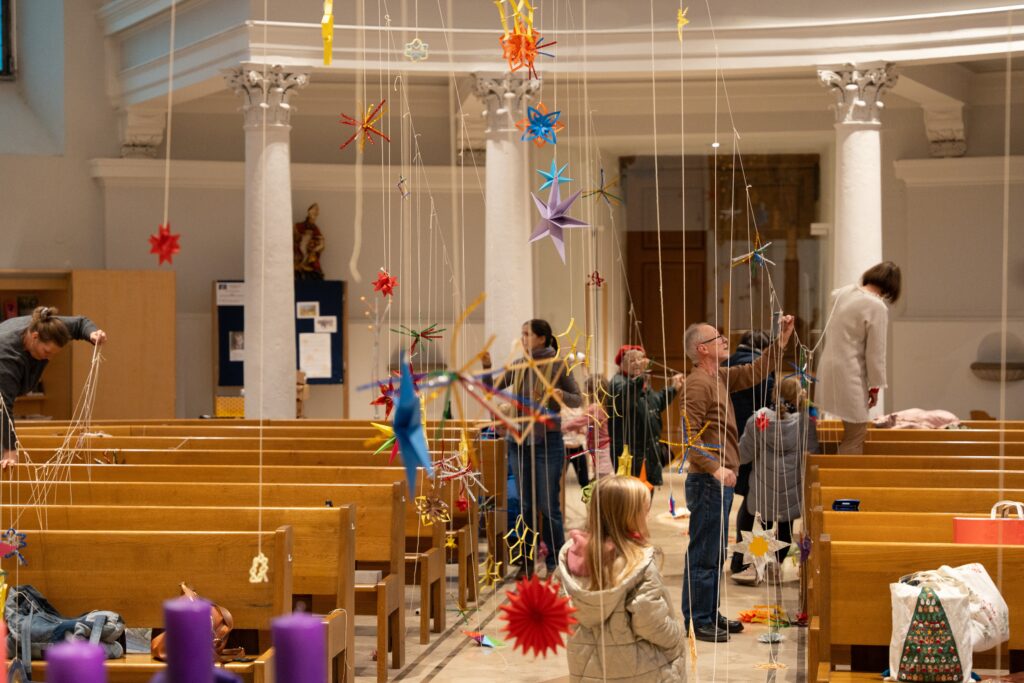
(189, 641)
(300, 649)
(75, 662)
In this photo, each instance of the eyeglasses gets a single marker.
(713, 339)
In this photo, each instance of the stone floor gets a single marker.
(451, 657)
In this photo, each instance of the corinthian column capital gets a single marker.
(859, 90)
(505, 98)
(266, 91)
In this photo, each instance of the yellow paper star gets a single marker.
(625, 463)
(525, 541)
(681, 21)
(450, 543)
(490, 572)
(758, 546)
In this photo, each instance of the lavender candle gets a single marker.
(300, 649)
(75, 662)
(189, 641)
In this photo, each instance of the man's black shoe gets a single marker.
(730, 625)
(711, 633)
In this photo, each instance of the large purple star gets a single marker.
(553, 219)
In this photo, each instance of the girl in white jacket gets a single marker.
(629, 628)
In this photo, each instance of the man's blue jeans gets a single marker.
(709, 505)
(549, 456)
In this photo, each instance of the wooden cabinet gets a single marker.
(137, 311)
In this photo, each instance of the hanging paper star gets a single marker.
(554, 175)
(804, 544)
(692, 441)
(540, 126)
(625, 463)
(520, 44)
(806, 378)
(416, 50)
(426, 334)
(759, 546)
(521, 540)
(462, 503)
(385, 284)
(259, 569)
(450, 543)
(409, 429)
(385, 399)
(604, 191)
(761, 421)
(553, 219)
(595, 280)
(481, 639)
(431, 509)
(385, 439)
(490, 572)
(643, 476)
(755, 257)
(681, 21)
(537, 616)
(671, 505)
(366, 126)
(165, 244)
(327, 31)
(402, 187)
(587, 491)
(11, 544)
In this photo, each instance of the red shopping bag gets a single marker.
(1003, 526)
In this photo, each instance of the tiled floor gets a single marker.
(451, 657)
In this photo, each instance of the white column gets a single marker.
(508, 260)
(857, 235)
(269, 275)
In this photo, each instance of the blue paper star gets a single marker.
(541, 125)
(554, 175)
(553, 219)
(408, 429)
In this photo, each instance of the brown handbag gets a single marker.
(221, 622)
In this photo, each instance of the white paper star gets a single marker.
(759, 546)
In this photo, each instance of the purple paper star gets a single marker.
(553, 219)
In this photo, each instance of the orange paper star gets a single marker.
(164, 244)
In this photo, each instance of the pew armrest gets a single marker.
(336, 625)
(824, 673)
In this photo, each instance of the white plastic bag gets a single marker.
(990, 617)
(931, 630)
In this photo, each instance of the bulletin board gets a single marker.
(319, 331)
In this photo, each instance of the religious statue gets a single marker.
(308, 243)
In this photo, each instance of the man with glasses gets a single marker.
(712, 477)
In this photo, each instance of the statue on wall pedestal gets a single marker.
(308, 244)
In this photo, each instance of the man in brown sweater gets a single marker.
(709, 485)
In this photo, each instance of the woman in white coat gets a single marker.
(852, 368)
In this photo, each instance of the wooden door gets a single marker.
(136, 308)
(683, 279)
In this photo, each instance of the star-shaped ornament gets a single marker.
(386, 398)
(165, 244)
(553, 219)
(595, 279)
(540, 126)
(604, 191)
(554, 175)
(416, 50)
(537, 616)
(385, 283)
(367, 126)
(681, 21)
(762, 421)
(759, 546)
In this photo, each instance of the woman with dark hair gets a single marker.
(852, 368)
(540, 457)
(27, 344)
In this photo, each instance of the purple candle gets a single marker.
(300, 649)
(75, 662)
(189, 641)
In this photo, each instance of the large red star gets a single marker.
(165, 244)
(537, 616)
(385, 284)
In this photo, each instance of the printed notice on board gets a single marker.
(315, 355)
(230, 293)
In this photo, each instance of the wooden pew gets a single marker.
(932, 478)
(379, 529)
(323, 541)
(856, 607)
(909, 499)
(964, 447)
(916, 462)
(931, 435)
(133, 572)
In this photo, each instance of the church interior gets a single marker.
(370, 306)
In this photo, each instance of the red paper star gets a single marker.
(366, 126)
(462, 502)
(386, 391)
(537, 616)
(761, 421)
(385, 284)
(595, 279)
(165, 244)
